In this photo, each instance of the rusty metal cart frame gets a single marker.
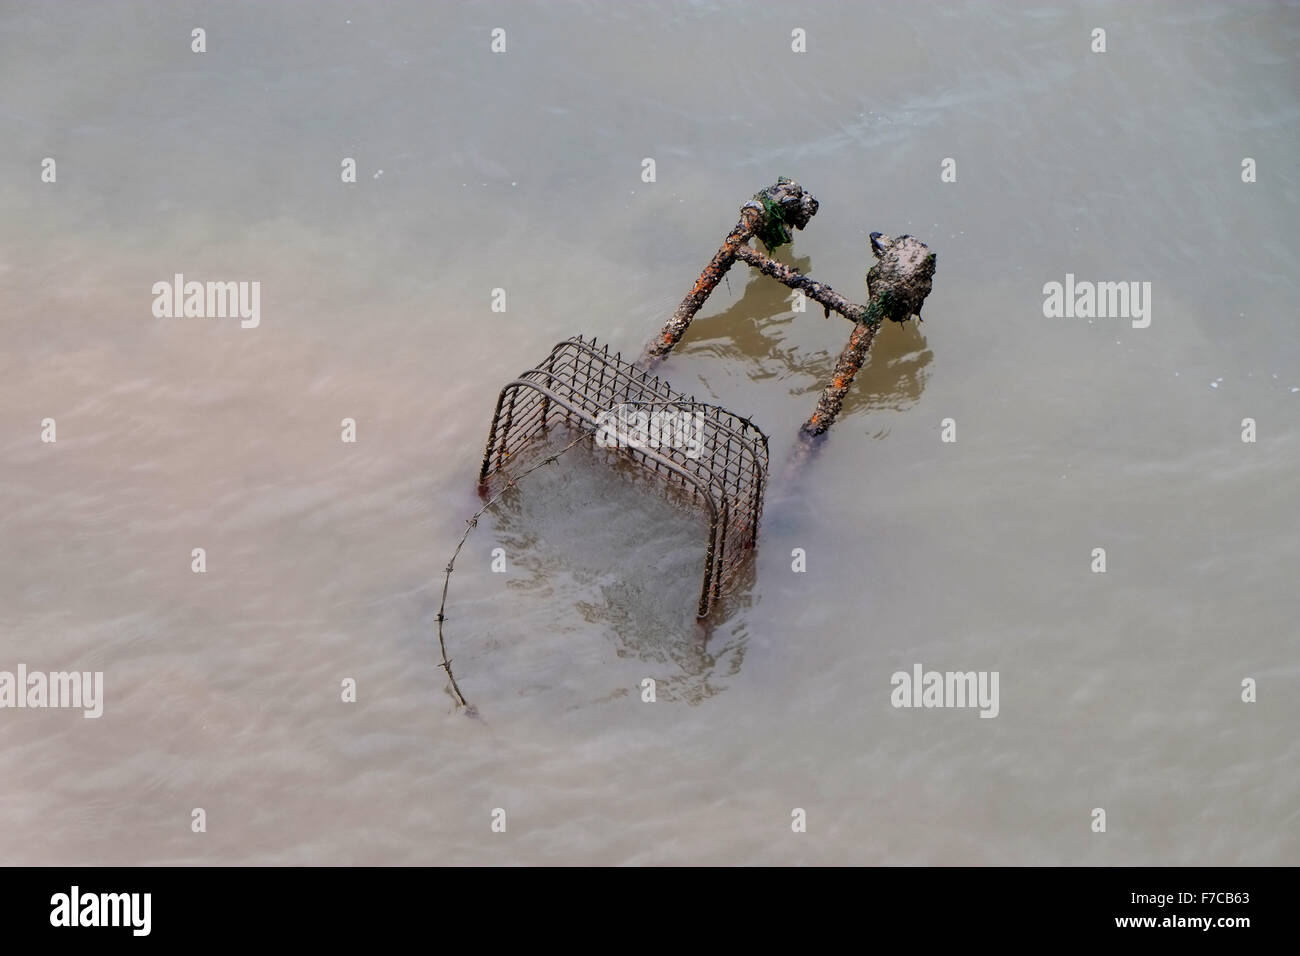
(579, 381)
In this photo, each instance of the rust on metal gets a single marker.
(897, 286)
(819, 292)
(782, 204)
(579, 383)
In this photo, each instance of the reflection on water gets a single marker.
(761, 329)
(752, 328)
(893, 377)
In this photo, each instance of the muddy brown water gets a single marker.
(522, 171)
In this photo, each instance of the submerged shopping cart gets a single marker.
(724, 469)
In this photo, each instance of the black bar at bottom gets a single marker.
(332, 905)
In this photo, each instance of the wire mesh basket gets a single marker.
(722, 462)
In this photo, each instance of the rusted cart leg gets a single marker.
(850, 360)
(897, 286)
(766, 215)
